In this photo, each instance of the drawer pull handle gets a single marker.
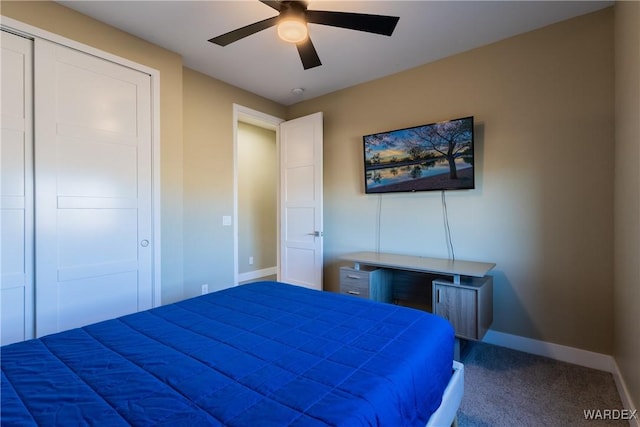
(353, 292)
(353, 276)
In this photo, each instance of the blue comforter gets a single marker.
(264, 354)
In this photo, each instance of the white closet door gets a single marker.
(16, 172)
(93, 189)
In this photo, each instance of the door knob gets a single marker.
(144, 243)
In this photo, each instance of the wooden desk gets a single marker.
(443, 266)
(466, 301)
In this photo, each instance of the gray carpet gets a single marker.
(505, 387)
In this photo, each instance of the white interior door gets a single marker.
(16, 175)
(93, 189)
(301, 201)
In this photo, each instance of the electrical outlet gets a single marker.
(205, 289)
(250, 260)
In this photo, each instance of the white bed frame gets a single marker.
(445, 415)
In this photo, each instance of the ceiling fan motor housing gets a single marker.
(292, 22)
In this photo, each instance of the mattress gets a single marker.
(262, 354)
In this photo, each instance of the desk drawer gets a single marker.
(355, 282)
(367, 282)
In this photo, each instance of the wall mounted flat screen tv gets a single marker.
(436, 156)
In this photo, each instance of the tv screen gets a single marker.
(437, 156)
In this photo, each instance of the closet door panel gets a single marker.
(102, 99)
(16, 176)
(120, 300)
(113, 231)
(13, 247)
(112, 169)
(93, 187)
(13, 156)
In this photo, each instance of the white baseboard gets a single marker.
(589, 359)
(621, 385)
(256, 274)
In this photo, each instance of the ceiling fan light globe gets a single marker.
(292, 30)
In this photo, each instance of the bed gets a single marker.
(262, 354)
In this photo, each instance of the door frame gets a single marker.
(266, 121)
(31, 32)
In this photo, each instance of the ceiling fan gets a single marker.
(292, 26)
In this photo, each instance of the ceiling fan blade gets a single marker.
(235, 35)
(308, 54)
(378, 24)
(277, 5)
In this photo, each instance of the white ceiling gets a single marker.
(262, 64)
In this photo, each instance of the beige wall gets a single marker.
(63, 21)
(208, 177)
(257, 198)
(627, 195)
(543, 206)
